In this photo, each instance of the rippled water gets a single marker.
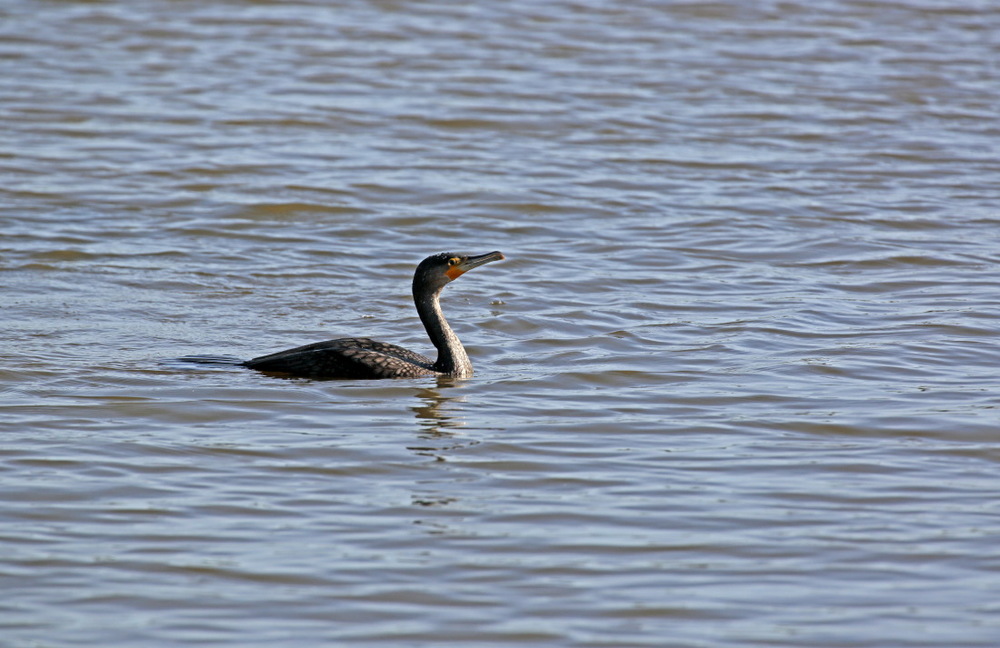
(736, 382)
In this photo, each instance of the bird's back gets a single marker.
(346, 358)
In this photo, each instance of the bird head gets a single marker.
(437, 270)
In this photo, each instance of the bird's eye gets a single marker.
(454, 261)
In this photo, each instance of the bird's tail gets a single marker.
(211, 360)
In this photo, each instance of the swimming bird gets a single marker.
(366, 358)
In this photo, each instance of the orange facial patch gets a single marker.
(454, 272)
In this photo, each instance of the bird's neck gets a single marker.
(452, 359)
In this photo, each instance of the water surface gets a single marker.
(736, 382)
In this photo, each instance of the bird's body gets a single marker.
(346, 358)
(366, 358)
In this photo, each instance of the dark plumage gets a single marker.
(366, 358)
(346, 358)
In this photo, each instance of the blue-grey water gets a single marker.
(737, 383)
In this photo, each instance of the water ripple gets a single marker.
(738, 367)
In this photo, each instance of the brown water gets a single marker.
(737, 383)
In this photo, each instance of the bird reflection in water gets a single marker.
(440, 416)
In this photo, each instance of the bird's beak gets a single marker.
(473, 262)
